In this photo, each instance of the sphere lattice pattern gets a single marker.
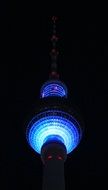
(50, 125)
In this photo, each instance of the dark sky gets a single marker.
(82, 64)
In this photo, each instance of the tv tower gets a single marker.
(55, 129)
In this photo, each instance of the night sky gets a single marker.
(82, 65)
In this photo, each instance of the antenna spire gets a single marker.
(54, 51)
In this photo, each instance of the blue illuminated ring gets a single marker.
(56, 123)
(53, 88)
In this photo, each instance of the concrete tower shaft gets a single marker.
(53, 156)
(53, 151)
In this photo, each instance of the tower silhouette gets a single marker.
(56, 128)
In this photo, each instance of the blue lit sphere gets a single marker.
(53, 125)
(53, 88)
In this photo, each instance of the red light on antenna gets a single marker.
(54, 18)
(53, 73)
(53, 51)
(54, 37)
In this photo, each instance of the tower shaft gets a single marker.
(53, 156)
(53, 175)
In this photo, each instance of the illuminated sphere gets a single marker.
(53, 88)
(52, 123)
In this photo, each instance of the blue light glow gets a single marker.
(53, 88)
(53, 124)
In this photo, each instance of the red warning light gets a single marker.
(53, 50)
(49, 157)
(54, 18)
(59, 158)
(54, 74)
(54, 37)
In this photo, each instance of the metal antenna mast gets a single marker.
(54, 51)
